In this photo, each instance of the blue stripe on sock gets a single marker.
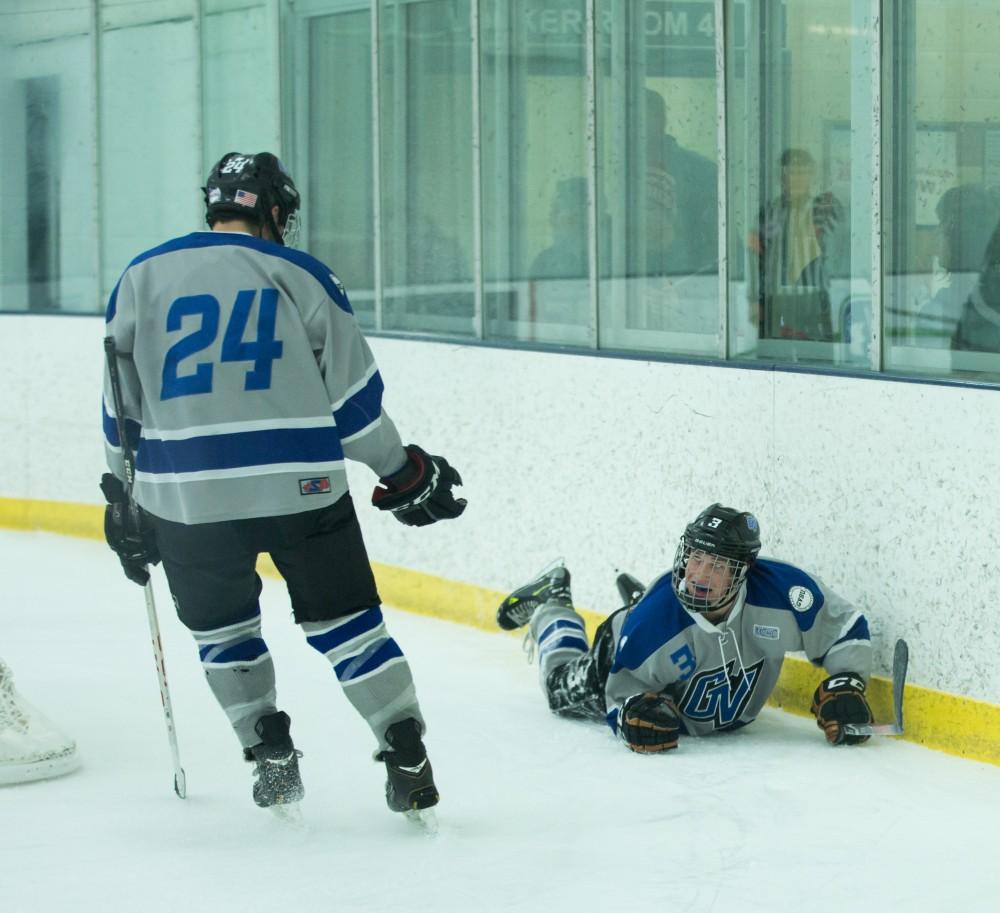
(557, 624)
(243, 651)
(328, 640)
(567, 642)
(367, 661)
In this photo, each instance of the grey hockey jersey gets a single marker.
(246, 381)
(721, 676)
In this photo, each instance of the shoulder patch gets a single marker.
(775, 585)
(801, 598)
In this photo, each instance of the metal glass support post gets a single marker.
(95, 82)
(590, 51)
(875, 17)
(376, 165)
(720, 152)
(198, 22)
(479, 322)
(279, 124)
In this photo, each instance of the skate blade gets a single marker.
(288, 813)
(423, 818)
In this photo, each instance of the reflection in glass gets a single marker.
(534, 185)
(237, 40)
(426, 128)
(658, 177)
(620, 209)
(793, 246)
(800, 179)
(943, 161)
(149, 193)
(339, 202)
(978, 325)
(48, 216)
(41, 156)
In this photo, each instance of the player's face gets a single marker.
(707, 577)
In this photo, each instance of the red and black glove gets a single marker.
(420, 493)
(841, 699)
(649, 722)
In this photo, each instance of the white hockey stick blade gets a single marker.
(423, 818)
(871, 729)
(900, 663)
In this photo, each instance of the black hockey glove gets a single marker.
(841, 699)
(420, 493)
(134, 545)
(649, 722)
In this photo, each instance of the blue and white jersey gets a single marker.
(246, 381)
(720, 676)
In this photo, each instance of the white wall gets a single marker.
(887, 491)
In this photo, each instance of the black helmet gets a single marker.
(246, 187)
(733, 537)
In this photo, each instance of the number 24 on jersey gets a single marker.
(262, 351)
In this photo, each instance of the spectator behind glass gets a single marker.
(967, 216)
(566, 256)
(978, 328)
(792, 245)
(681, 200)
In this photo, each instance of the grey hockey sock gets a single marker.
(370, 667)
(560, 635)
(240, 673)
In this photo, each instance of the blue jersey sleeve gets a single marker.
(656, 618)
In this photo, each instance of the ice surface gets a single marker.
(537, 813)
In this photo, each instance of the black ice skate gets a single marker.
(409, 785)
(277, 780)
(551, 585)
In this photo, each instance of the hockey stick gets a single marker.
(900, 661)
(180, 781)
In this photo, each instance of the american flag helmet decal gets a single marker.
(245, 198)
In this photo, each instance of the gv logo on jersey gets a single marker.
(720, 695)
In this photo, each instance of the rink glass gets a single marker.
(810, 184)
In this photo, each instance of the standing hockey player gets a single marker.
(246, 382)
(699, 651)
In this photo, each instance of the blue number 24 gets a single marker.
(262, 351)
